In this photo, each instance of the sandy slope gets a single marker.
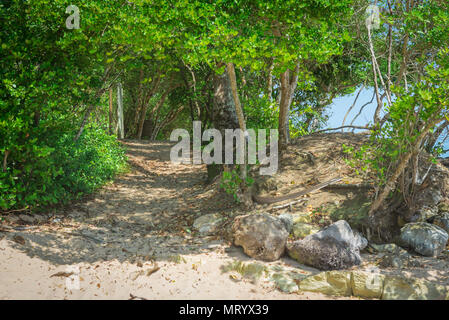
(131, 226)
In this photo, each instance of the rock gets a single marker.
(335, 247)
(442, 221)
(424, 214)
(342, 233)
(429, 197)
(262, 236)
(301, 230)
(443, 207)
(399, 288)
(12, 218)
(325, 254)
(252, 271)
(208, 223)
(360, 241)
(301, 218)
(400, 261)
(287, 220)
(266, 184)
(27, 218)
(367, 285)
(41, 218)
(336, 283)
(284, 283)
(388, 248)
(373, 285)
(424, 238)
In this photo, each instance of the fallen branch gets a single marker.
(349, 186)
(269, 200)
(342, 127)
(289, 204)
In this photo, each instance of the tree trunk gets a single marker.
(284, 109)
(270, 81)
(288, 87)
(120, 111)
(391, 183)
(110, 111)
(5, 160)
(223, 114)
(238, 108)
(83, 123)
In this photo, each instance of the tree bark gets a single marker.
(270, 81)
(110, 111)
(283, 109)
(223, 115)
(5, 160)
(238, 108)
(120, 111)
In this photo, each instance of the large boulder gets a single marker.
(335, 247)
(342, 233)
(424, 238)
(262, 236)
(325, 254)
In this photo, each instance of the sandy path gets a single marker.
(132, 237)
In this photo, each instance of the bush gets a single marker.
(55, 169)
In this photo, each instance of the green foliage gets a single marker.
(232, 182)
(422, 108)
(57, 169)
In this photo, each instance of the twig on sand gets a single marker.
(288, 204)
(133, 297)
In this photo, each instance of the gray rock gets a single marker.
(360, 241)
(442, 221)
(424, 214)
(12, 218)
(27, 218)
(324, 254)
(262, 236)
(424, 238)
(400, 261)
(388, 248)
(342, 233)
(429, 197)
(335, 247)
(287, 220)
(208, 223)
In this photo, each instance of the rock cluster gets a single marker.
(372, 285)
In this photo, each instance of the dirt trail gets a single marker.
(133, 237)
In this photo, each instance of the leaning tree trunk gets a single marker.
(223, 114)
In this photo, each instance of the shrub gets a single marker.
(55, 169)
